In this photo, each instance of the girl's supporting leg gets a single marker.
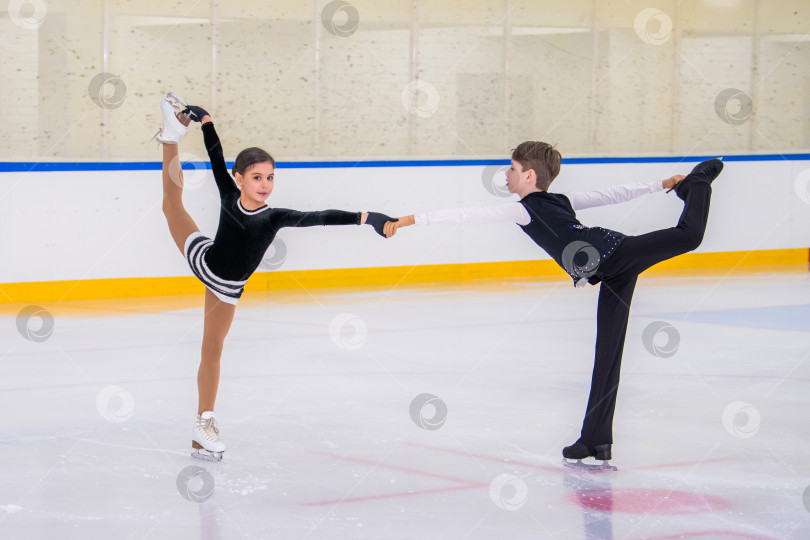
(218, 319)
(613, 312)
(181, 225)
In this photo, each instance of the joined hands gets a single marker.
(672, 181)
(391, 227)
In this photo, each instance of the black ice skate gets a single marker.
(705, 171)
(574, 454)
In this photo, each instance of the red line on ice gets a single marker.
(482, 456)
(465, 484)
(398, 468)
(390, 495)
(559, 468)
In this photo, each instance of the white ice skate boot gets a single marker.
(205, 441)
(173, 129)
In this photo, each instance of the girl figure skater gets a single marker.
(591, 255)
(246, 228)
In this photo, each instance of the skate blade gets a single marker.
(176, 101)
(579, 465)
(197, 451)
(179, 106)
(205, 455)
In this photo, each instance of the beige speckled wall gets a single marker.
(331, 79)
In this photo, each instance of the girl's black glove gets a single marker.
(377, 221)
(195, 113)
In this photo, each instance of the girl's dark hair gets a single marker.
(249, 157)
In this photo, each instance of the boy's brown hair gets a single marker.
(541, 157)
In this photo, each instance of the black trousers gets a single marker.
(619, 274)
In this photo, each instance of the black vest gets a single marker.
(579, 250)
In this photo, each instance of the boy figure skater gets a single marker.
(591, 255)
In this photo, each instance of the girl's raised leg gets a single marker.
(181, 225)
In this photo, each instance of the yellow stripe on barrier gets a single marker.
(93, 289)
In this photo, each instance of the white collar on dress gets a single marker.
(250, 212)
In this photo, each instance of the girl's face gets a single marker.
(257, 182)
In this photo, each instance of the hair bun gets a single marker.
(249, 157)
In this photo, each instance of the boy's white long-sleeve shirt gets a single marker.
(516, 213)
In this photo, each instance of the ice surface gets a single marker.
(433, 412)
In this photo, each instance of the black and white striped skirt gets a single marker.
(227, 291)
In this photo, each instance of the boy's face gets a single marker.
(517, 179)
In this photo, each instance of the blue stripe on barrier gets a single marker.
(12, 166)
